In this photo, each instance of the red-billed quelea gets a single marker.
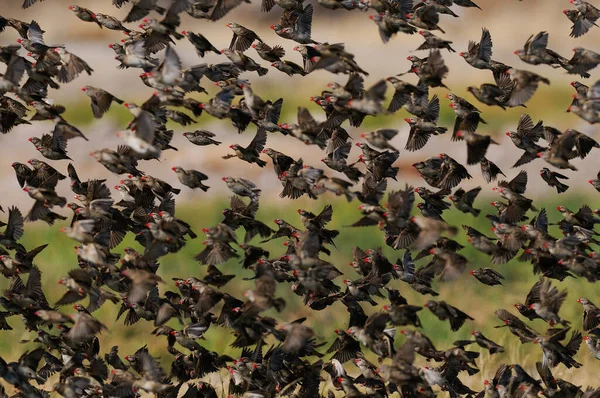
(100, 100)
(479, 54)
(242, 187)
(252, 152)
(110, 22)
(488, 276)
(191, 178)
(535, 52)
(591, 314)
(554, 352)
(445, 311)
(552, 179)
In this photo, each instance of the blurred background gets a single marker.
(510, 22)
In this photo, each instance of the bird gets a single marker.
(313, 306)
(552, 179)
(445, 311)
(487, 276)
(191, 178)
(101, 100)
(252, 152)
(201, 137)
(479, 54)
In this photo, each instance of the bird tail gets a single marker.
(392, 172)
(279, 304)
(560, 188)
(349, 196)
(53, 84)
(262, 71)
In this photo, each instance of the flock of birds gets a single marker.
(287, 358)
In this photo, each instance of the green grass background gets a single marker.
(468, 294)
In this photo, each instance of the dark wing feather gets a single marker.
(259, 141)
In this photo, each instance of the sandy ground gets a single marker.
(361, 38)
